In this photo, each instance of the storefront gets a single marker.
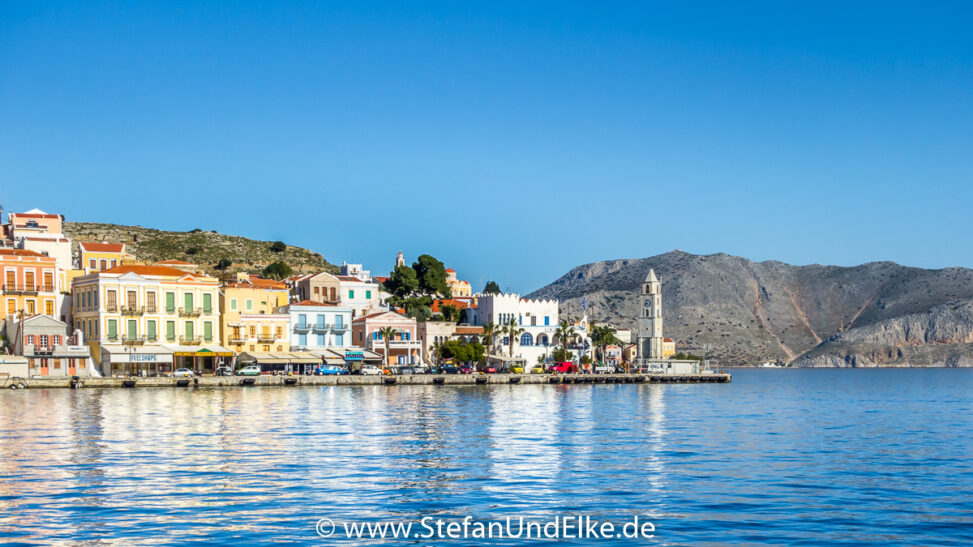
(201, 359)
(295, 362)
(119, 360)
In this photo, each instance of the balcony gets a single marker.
(190, 312)
(29, 290)
(111, 308)
(340, 328)
(302, 328)
(136, 341)
(152, 339)
(151, 309)
(266, 337)
(236, 339)
(320, 328)
(195, 341)
(111, 338)
(133, 310)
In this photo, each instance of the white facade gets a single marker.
(356, 270)
(538, 318)
(361, 296)
(314, 327)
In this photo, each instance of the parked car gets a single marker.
(538, 369)
(466, 369)
(421, 369)
(224, 371)
(405, 370)
(371, 370)
(606, 369)
(564, 366)
(449, 369)
(183, 373)
(330, 370)
(250, 370)
(517, 369)
(489, 369)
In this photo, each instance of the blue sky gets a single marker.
(511, 140)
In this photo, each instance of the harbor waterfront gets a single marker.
(789, 456)
(361, 380)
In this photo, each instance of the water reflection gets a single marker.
(779, 457)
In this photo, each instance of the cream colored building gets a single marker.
(457, 287)
(149, 319)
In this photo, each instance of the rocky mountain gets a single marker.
(748, 312)
(198, 246)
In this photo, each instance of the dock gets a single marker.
(360, 380)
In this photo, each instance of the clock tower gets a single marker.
(650, 319)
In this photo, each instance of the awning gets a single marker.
(330, 357)
(298, 358)
(304, 358)
(199, 351)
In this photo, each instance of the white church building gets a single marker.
(538, 318)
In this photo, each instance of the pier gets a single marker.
(360, 380)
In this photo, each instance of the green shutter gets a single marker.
(189, 330)
(112, 328)
(150, 329)
(133, 327)
(351, 295)
(170, 330)
(171, 302)
(188, 301)
(368, 295)
(207, 303)
(208, 331)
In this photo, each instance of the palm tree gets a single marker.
(565, 332)
(490, 331)
(512, 330)
(386, 333)
(601, 336)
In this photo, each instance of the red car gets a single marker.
(564, 366)
(466, 369)
(489, 369)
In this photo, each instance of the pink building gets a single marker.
(404, 347)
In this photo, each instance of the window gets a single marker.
(112, 300)
(351, 295)
(233, 304)
(171, 302)
(526, 339)
(57, 340)
(30, 338)
(150, 302)
(132, 333)
(170, 330)
(92, 264)
(49, 307)
(302, 339)
(207, 303)
(317, 291)
(320, 321)
(249, 304)
(30, 280)
(104, 264)
(279, 332)
(30, 307)
(187, 302)
(547, 321)
(114, 263)
(189, 328)
(48, 281)
(320, 339)
(339, 339)
(150, 330)
(42, 339)
(112, 329)
(11, 306)
(132, 300)
(339, 321)
(368, 294)
(253, 331)
(302, 320)
(208, 331)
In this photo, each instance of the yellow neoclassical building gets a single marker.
(99, 257)
(249, 318)
(149, 319)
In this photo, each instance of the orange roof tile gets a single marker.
(101, 247)
(311, 303)
(19, 252)
(348, 278)
(450, 270)
(437, 304)
(469, 330)
(146, 270)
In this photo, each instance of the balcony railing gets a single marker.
(133, 310)
(111, 308)
(151, 338)
(341, 327)
(26, 289)
(266, 338)
(190, 312)
(302, 328)
(320, 328)
(190, 341)
(151, 309)
(136, 341)
(112, 338)
(236, 339)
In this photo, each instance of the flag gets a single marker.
(584, 302)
